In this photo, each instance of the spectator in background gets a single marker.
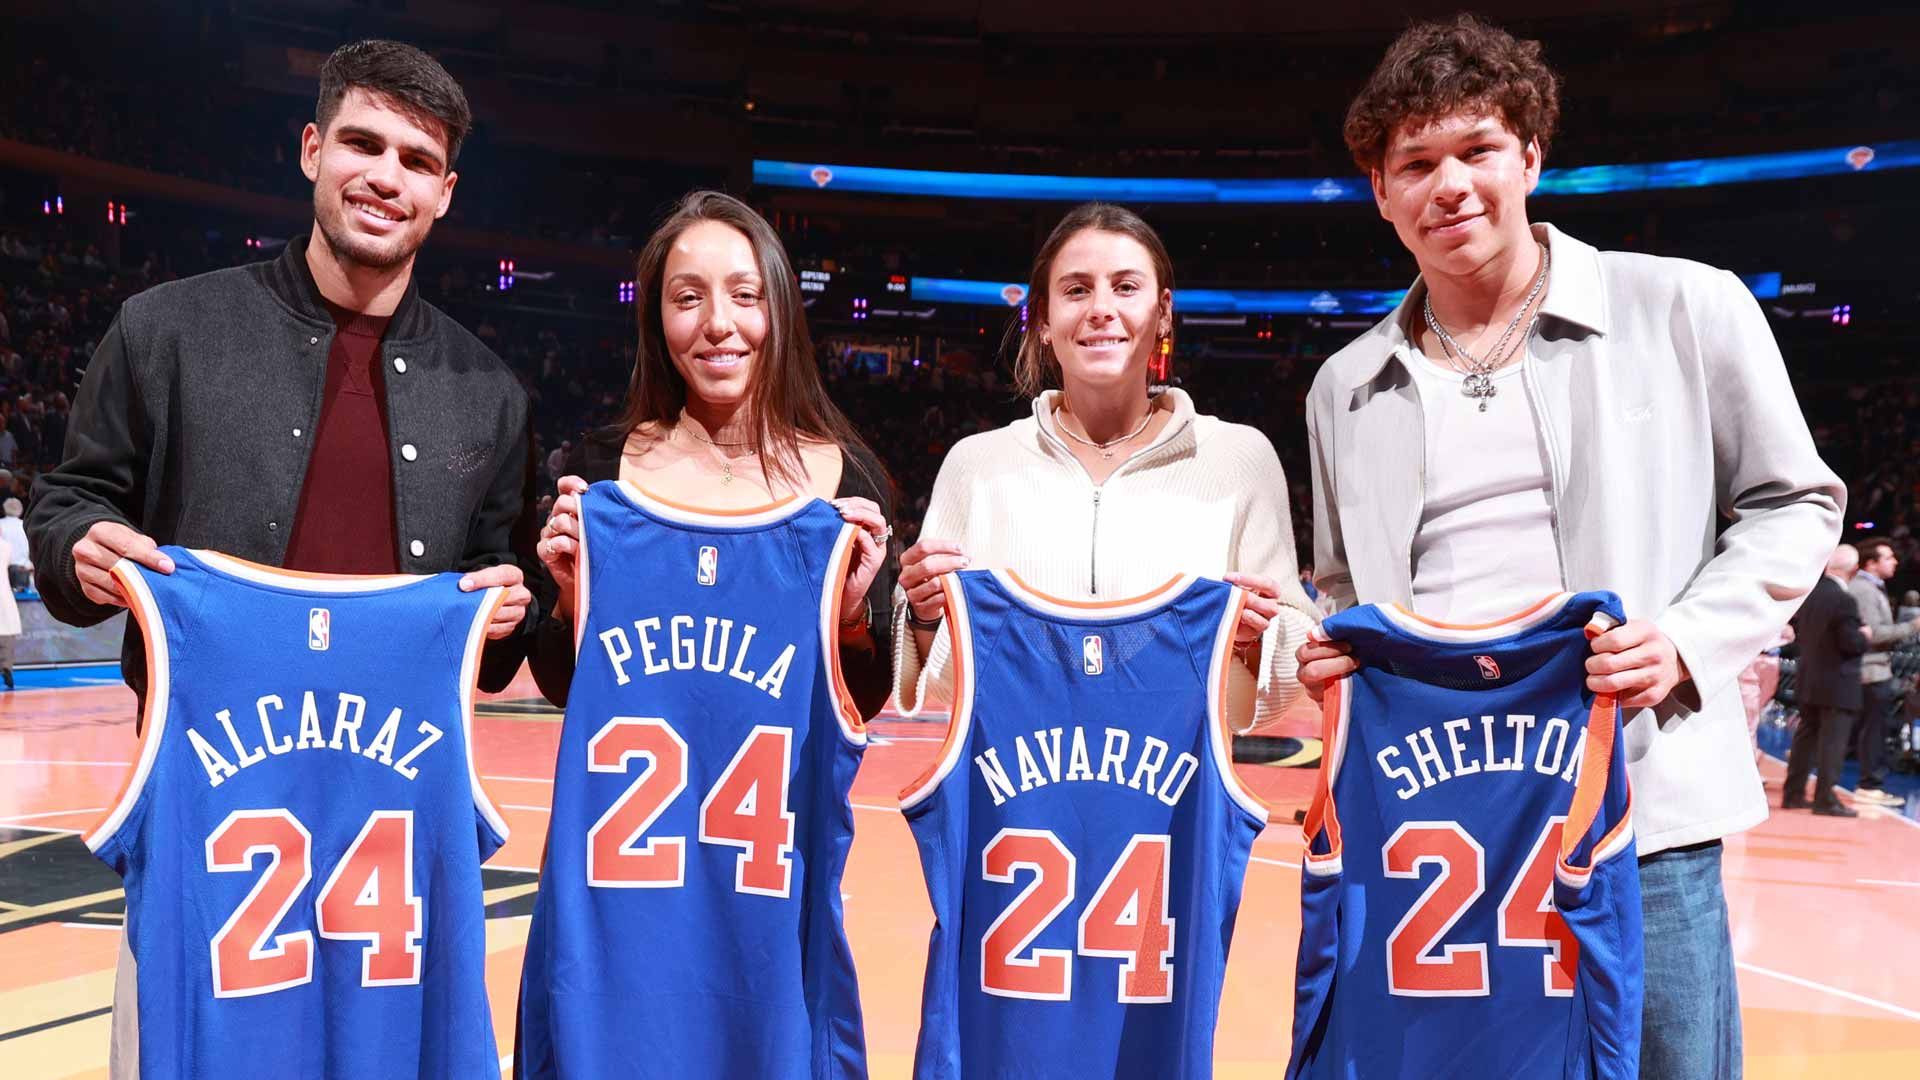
(13, 532)
(1831, 640)
(9, 446)
(1909, 606)
(557, 460)
(1758, 681)
(1878, 563)
(9, 632)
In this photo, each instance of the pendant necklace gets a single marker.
(726, 464)
(1478, 383)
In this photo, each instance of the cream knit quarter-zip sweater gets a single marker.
(1205, 497)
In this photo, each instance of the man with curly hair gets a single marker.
(1540, 415)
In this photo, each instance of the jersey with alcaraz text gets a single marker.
(302, 836)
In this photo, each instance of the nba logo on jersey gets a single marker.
(1469, 881)
(709, 565)
(1083, 840)
(304, 887)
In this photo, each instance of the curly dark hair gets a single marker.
(1436, 69)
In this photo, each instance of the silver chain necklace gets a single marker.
(1106, 448)
(1478, 383)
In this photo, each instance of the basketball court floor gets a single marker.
(1824, 910)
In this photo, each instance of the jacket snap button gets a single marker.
(417, 548)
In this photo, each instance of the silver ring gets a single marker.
(885, 536)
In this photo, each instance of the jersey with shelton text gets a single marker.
(1470, 901)
(302, 836)
(689, 917)
(1083, 836)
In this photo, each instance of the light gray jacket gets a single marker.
(1667, 414)
(1875, 611)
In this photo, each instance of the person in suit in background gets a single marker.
(1879, 693)
(1831, 639)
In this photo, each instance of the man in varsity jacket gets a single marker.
(1540, 415)
(311, 412)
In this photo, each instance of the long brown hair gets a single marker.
(1034, 367)
(786, 400)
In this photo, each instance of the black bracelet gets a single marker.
(917, 623)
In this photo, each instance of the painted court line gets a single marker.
(1897, 884)
(1809, 984)
(52, 813)
(50, 761)
(1273, 862)
(522, 806)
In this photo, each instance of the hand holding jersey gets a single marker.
(1634, 659)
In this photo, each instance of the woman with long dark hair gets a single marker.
(726, 410)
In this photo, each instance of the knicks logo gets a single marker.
(1489, 667)
(709, 571)
(319, 629)
(1092, 660)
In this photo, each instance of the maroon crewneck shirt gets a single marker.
(344, 524)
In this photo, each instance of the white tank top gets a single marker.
(1485, 546)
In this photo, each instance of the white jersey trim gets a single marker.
(709, 517)
(960, 718)
(476, 643)
(300, 581)
(1218, 726)
(1333, 752)
(1430, 630)
(153, 630)
(582, 580)
(1093, 611)
(852, 727)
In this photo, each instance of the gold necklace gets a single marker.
(726, 464)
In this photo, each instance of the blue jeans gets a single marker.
(1691, 1029)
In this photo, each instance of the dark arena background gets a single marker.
(912, 158)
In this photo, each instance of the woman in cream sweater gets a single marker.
(1107, 491)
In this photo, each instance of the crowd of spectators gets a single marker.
(56, 300)
(58, 296)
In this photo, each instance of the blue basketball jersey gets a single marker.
(1470, 901)
(1083, 836)
(302, 836)
(689, 919)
